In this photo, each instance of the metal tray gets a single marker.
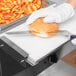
(6, 27)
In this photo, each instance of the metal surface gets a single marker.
(10, 64)
(20, 33)
(28, 33)
(61, 68)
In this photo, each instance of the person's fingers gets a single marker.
(50, 19)
(34, 16)
(54, 17)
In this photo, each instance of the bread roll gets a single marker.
(40, 28)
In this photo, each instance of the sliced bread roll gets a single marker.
(41, 29)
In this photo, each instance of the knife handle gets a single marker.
(72, 37)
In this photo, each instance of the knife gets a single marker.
(28, 33)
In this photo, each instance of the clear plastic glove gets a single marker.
(57, 14)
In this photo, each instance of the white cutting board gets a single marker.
(39, 47)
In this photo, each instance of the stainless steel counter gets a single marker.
(60, 69)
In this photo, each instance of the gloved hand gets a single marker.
(74, 41)
(57, 14)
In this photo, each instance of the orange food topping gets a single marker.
(13, 9)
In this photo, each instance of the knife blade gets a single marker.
(28, 33)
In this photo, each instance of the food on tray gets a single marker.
(11, 10)
(40, 29)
